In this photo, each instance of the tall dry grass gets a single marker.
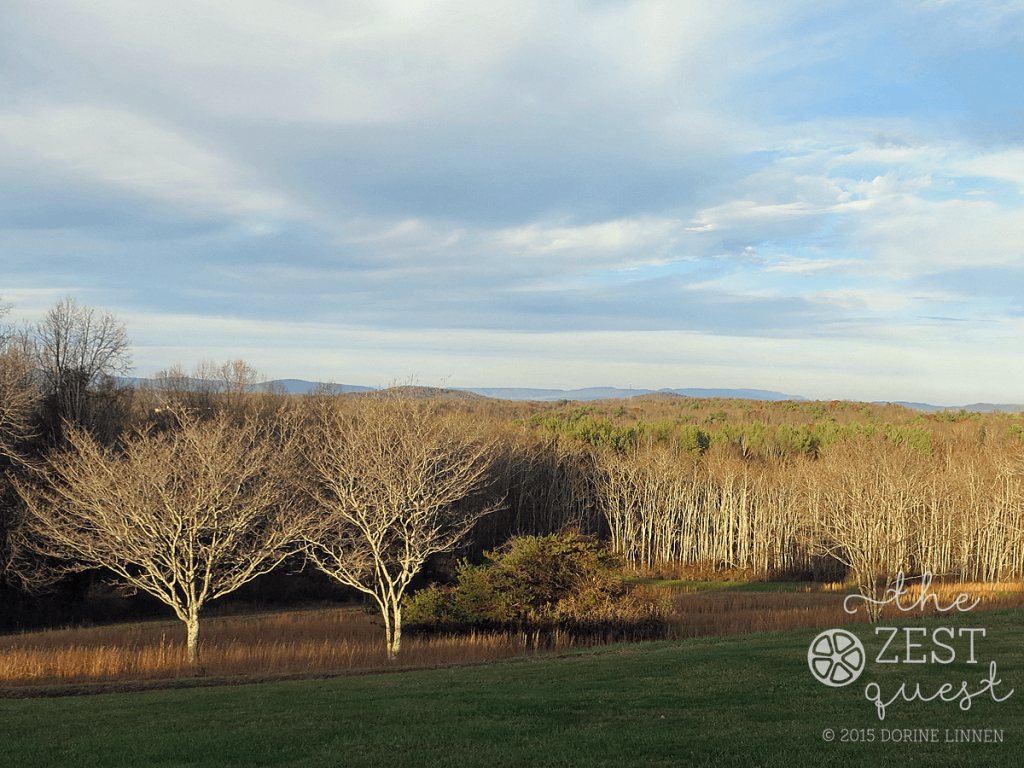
(299, 642)
(732, 612)
(330, 641)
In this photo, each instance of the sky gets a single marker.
(824, 199)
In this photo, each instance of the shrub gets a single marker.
(565, 581)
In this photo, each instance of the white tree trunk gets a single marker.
(192, 645)
(395, 632)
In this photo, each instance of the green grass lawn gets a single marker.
(736, 701)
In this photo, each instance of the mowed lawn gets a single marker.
(736, 701)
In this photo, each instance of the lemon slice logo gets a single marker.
(836, 658)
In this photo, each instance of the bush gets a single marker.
(565, 581)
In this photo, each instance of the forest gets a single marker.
(192, 488)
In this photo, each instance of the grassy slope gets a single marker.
(743, 701)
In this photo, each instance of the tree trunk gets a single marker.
(391, 613)
(873, 586)
(395, 638)
(192, 646)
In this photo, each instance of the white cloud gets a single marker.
(296, 61)
(619, 238)
(128, 151)
(806, 266)
(921, 237)
(901, 212)
(1006, 166)
(442, 60)
(749, 212)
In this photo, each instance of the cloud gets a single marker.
(398, 59)
(1004, 165)
(125, 150)
(408, 181)
(349, 63)
(621, 244)
(807, 266)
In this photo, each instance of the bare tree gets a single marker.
(244, 389)
(393, 482)
(78, 349)
(18, 399)
(238, 377)
(186, 515)
(4, 331)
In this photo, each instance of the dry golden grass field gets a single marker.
(330, 641)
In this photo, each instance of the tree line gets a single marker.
(196, 483)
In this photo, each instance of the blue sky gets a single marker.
(820, 198)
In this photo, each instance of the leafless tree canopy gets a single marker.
(394, 482)
(18, 399)
(187, 515)
(78, 350)
(866, 501)
(75, 338)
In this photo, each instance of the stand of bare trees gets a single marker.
(18, 399)
(209, 388)
(866, 502)
(666, 506)
(872, 505)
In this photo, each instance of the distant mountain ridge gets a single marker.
(301, 387)
(613, 393)
(973, 408)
